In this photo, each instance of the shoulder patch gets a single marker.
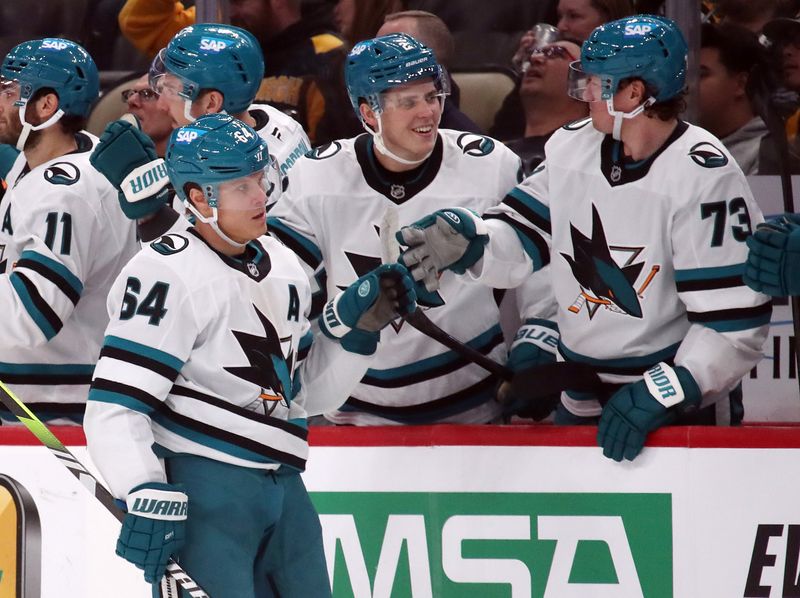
(475, 145)
(325, 151)
(577, 124)
(62, 173)
(707, 155)
(170, 244)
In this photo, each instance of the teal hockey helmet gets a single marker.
(57, 64)
(376, 65)
(213, 56)
(646, 47)
(213, 149)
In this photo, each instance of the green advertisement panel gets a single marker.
(474, 545)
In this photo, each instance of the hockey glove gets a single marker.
(127, 158)
(773, 264)
(637, 409)
(534, 344)
(450, 239)
(356, 315)
(154, 529)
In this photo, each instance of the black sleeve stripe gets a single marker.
(40, 304)
(530, 215)
(130, 391)
(730, 314)
(534, 237)
(140, 360)
(53, 277)
(711, 284)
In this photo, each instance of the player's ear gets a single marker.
(368, 115)
(198, 200)
(46, 106)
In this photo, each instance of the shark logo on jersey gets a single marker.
(62, 173)
(603, 281)
(325, 151)
(268, 368)
(170, 244)
(707, 156)
(475, 145)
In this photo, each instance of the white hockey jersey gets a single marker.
(646, 257)
(63, 240)
(330, 215)
(200, 357)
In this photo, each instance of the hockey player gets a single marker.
(63, 239)
(334, 203)
(643, 218)
(206, 365)
(206, 68)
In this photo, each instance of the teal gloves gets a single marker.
(154, 529)
(356, 315)
(638, 408)
(127, 158)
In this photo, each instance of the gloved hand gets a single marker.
(534, 344)
(450, 239)
(773, 264)
(638, 408)
(154, 528)
(127, 158)
(357, 315)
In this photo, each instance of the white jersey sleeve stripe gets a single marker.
(40, 312)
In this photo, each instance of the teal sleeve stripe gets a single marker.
(27, 301)
(57, 267)
(46, 369)
(300, 244)
(531, 249)
(117, 398)
(149, 352)
(301, 422)
(431, 363)
(641, 361)
(738, 325)
(531, 202)
(709, 273)
(306, 341)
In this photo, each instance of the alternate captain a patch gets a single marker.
(606, 273)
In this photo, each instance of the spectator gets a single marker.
(545, 101)
(154, 119)
(358, 20)
(753, 15)
(784, 36)
(304, 57)
(64, 239)
(729, 56)
(576, 19)
(429, 29)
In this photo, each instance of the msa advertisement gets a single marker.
(480, 520)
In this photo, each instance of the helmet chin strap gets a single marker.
(212, 222)
(28, 127)
(377, 138)
(619, 117)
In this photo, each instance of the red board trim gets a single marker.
(749, 436)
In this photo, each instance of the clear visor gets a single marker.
(410, 99)
(585, 87)
(9, 90)
(249, 193)
(166, 83)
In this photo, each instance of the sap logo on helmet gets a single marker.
(212, 44)
(638, 29)
(407, 46)
(188, 135)
(358, 49)
(54, 44)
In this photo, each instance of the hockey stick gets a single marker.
(47, 438)
(533, 383)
